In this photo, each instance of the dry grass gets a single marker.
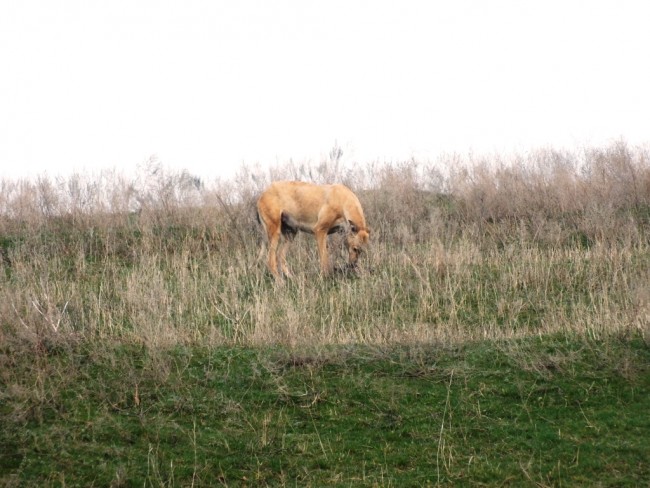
(462, 249)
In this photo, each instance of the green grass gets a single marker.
(497, 334)
(552, 411)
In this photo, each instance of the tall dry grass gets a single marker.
(463, 248)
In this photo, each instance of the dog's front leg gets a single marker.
(321, 241)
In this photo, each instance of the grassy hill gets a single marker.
(497, 333)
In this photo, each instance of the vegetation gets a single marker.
(536, 411)
(498, 331)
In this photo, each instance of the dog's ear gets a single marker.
(353, 227)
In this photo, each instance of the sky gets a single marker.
(207, 85)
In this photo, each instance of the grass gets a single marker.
(497, 333)
(545, 411)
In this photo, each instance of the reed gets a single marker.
(461, 250)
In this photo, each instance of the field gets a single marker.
(498, 331)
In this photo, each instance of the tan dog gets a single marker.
(286, 207)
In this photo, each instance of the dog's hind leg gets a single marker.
(289, 231)
(273, 232)
(282, 255)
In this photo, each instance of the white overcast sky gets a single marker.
(208, 84)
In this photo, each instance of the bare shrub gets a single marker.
(462, 248)
(401, 207)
